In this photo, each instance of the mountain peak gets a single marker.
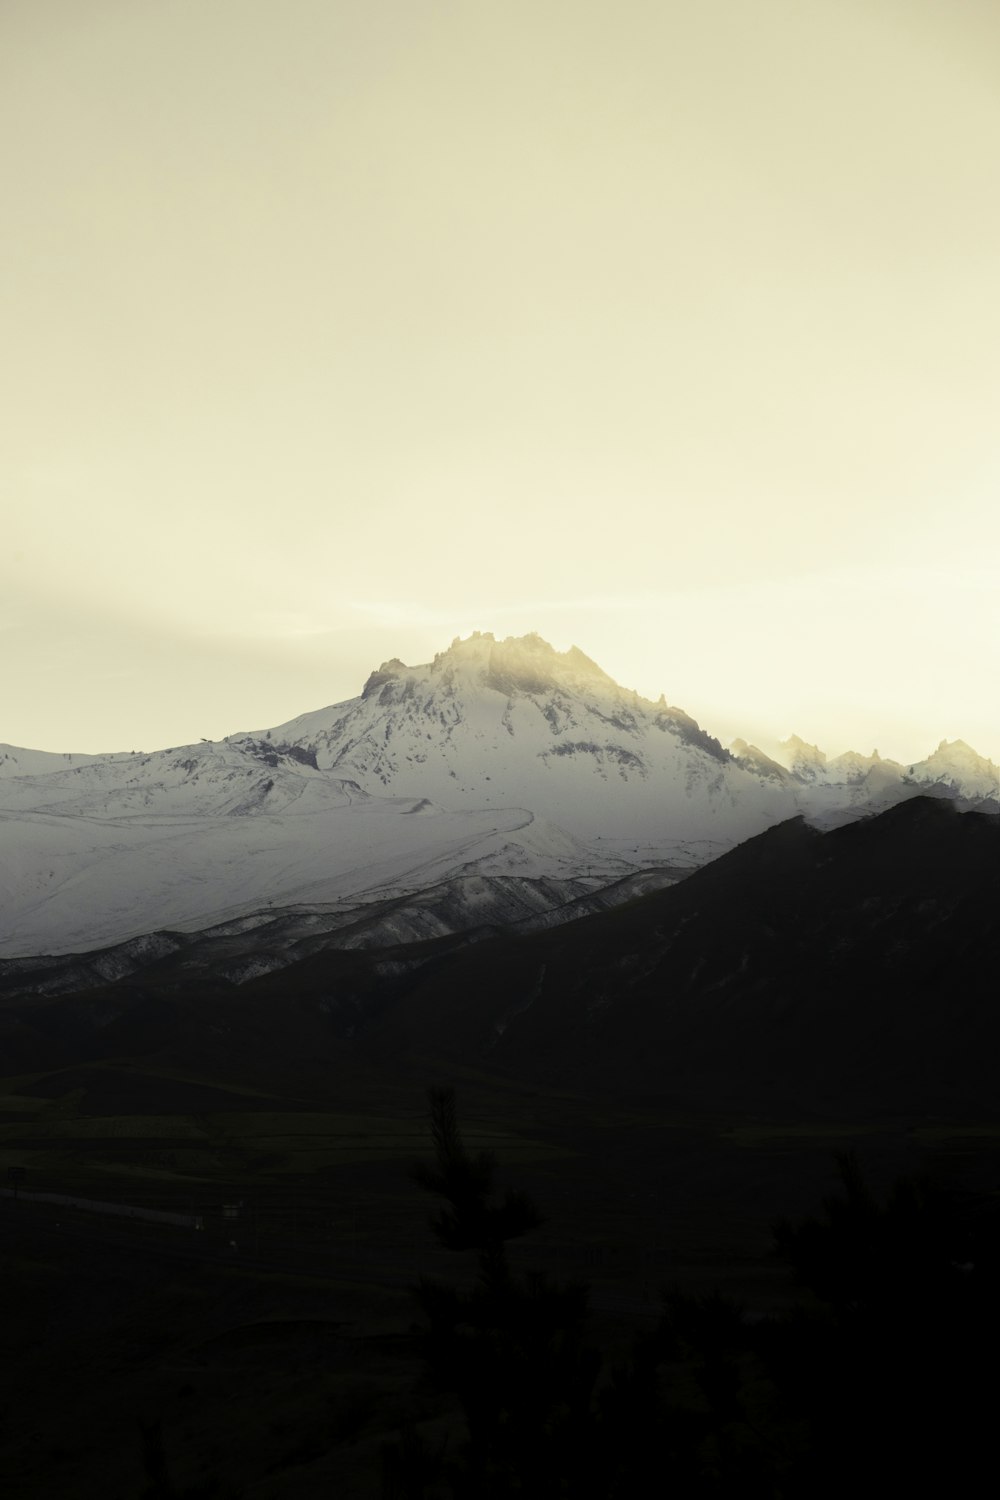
(528, 664)
(753, 758)
(956, 749)
(956, 767)
(525, 664)
(389, 671)
(521, 760)
(805, 761)
(960, 755)
(471, 647)
(801, 748)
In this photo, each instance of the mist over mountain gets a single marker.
(500, 760)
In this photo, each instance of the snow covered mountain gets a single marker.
(500, 759)
(515, 723)
(838, 788)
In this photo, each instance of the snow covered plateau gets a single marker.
(502, 766)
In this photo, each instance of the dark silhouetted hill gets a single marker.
(853, 970)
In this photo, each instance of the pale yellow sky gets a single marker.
(331, 330)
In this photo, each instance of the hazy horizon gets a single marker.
(333, 332)
(726, 729)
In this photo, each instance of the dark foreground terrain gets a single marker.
(665, 1083)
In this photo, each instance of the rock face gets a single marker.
(498, 759)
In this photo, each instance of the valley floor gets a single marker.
(270, 1352)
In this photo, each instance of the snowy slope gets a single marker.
(496, 723)
(835, 790)
(90, 863)
(499, 758)
(103, 849)
(246, 946)
(17, 762)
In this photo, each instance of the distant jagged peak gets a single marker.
(516, 664)
(753, 758)
(959, 756)
(558, 683)
(528, 664)
(471, 649)
(531, 649)
(801, 749)
(805, 761)
(809, 763)
(954, 766)
(853, 760)
(955, 763)
(957, 752)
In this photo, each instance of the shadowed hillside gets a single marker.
(848, 971)
(666, 1079)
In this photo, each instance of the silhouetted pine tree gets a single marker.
(886, 1379)
(893, 1377)
(512, 1347)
